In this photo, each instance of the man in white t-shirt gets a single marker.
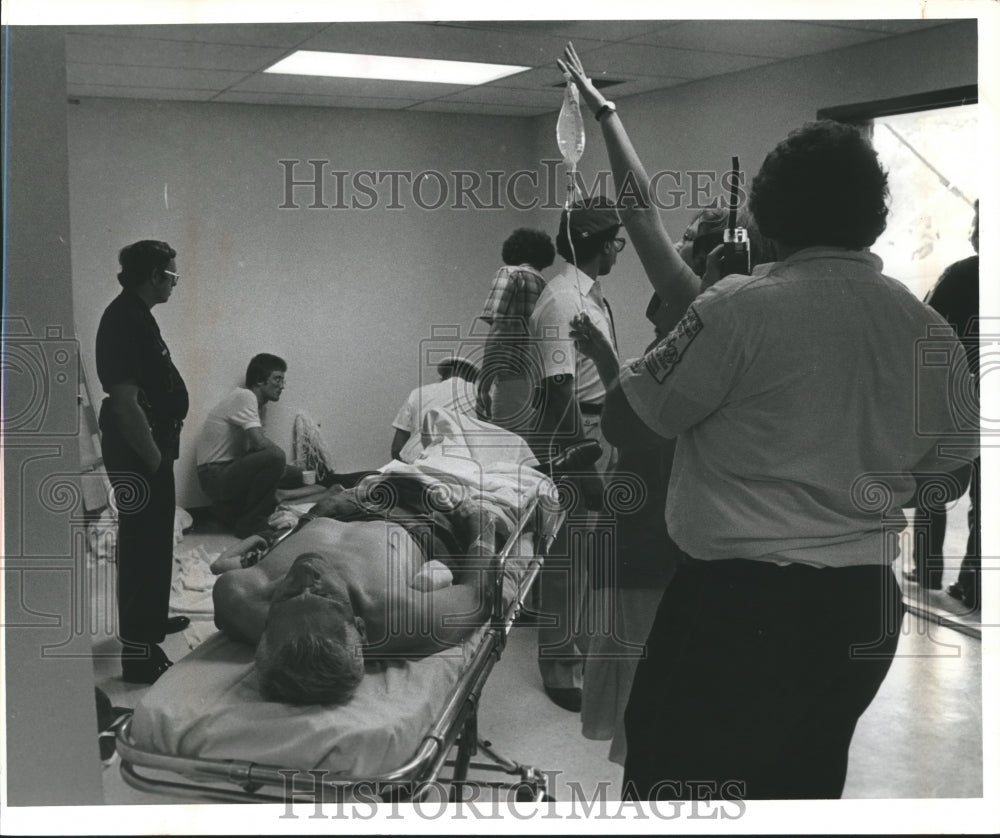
(239, 468)
(455, 391)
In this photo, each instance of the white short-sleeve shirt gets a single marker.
(223, 437)
(565, 296)
(803, 399)
(454, 394)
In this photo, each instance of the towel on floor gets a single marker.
(191, 593)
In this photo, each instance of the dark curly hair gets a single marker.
(528, 246)
(821, 185)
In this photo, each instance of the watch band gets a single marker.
(606, 108)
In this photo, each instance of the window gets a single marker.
(932, 158)
(929, 144)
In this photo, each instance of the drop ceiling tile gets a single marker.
(546, 78)
(439, 106)
(541, 78)
(324, 86)
(162, 77)
(250, 34)
(643, 59)
(886, 27)
(546, 100)
(101, 49)
(641, 84)
(308, 100)
(600, 31)
(423, 40)
(104, 91)
(769, 38)
(545, 88)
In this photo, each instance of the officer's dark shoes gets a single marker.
(140, 667)
(176, 624)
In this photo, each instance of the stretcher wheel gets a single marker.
(528, 793)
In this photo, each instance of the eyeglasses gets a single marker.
(175, 276)
(619, 245)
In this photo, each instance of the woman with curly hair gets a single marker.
(803, 426)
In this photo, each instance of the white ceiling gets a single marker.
(224, 62)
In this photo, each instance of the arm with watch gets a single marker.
(674, 282)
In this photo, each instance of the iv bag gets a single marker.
(569, 128)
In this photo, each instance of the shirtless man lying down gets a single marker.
(338, 591)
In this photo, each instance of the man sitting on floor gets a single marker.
(239, 468)
(375, 571)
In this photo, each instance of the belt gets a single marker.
(591, 408)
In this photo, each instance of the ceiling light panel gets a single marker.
(391, 68)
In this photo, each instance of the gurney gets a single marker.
(203, 729)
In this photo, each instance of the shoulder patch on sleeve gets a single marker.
(662, 358)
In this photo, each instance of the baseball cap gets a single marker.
(459, 366)
(589, 217)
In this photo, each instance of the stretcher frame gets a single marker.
(456, 728)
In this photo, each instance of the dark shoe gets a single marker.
(176, 624)
(569, 698)
(145, 670)
(956, 591)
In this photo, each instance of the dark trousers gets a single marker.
(145, 538)
(243, 490)
(929, 527)
(755, 677)
(969, 572)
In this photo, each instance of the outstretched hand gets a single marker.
(232, 559)
(570, 63)
(590, 341)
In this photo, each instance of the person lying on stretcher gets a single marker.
(378, 571)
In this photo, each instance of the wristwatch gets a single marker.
(606, 108)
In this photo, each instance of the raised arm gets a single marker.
(671, 278)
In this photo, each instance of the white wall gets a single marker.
(699, 126)
(345, 296)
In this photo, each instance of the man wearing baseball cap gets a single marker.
(571, 400)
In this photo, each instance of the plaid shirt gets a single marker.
(512, 299)
(514, 293)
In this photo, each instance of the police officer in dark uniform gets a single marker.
(140, 429)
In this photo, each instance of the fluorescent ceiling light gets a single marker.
(393, 68)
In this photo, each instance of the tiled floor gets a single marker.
(921, 738)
